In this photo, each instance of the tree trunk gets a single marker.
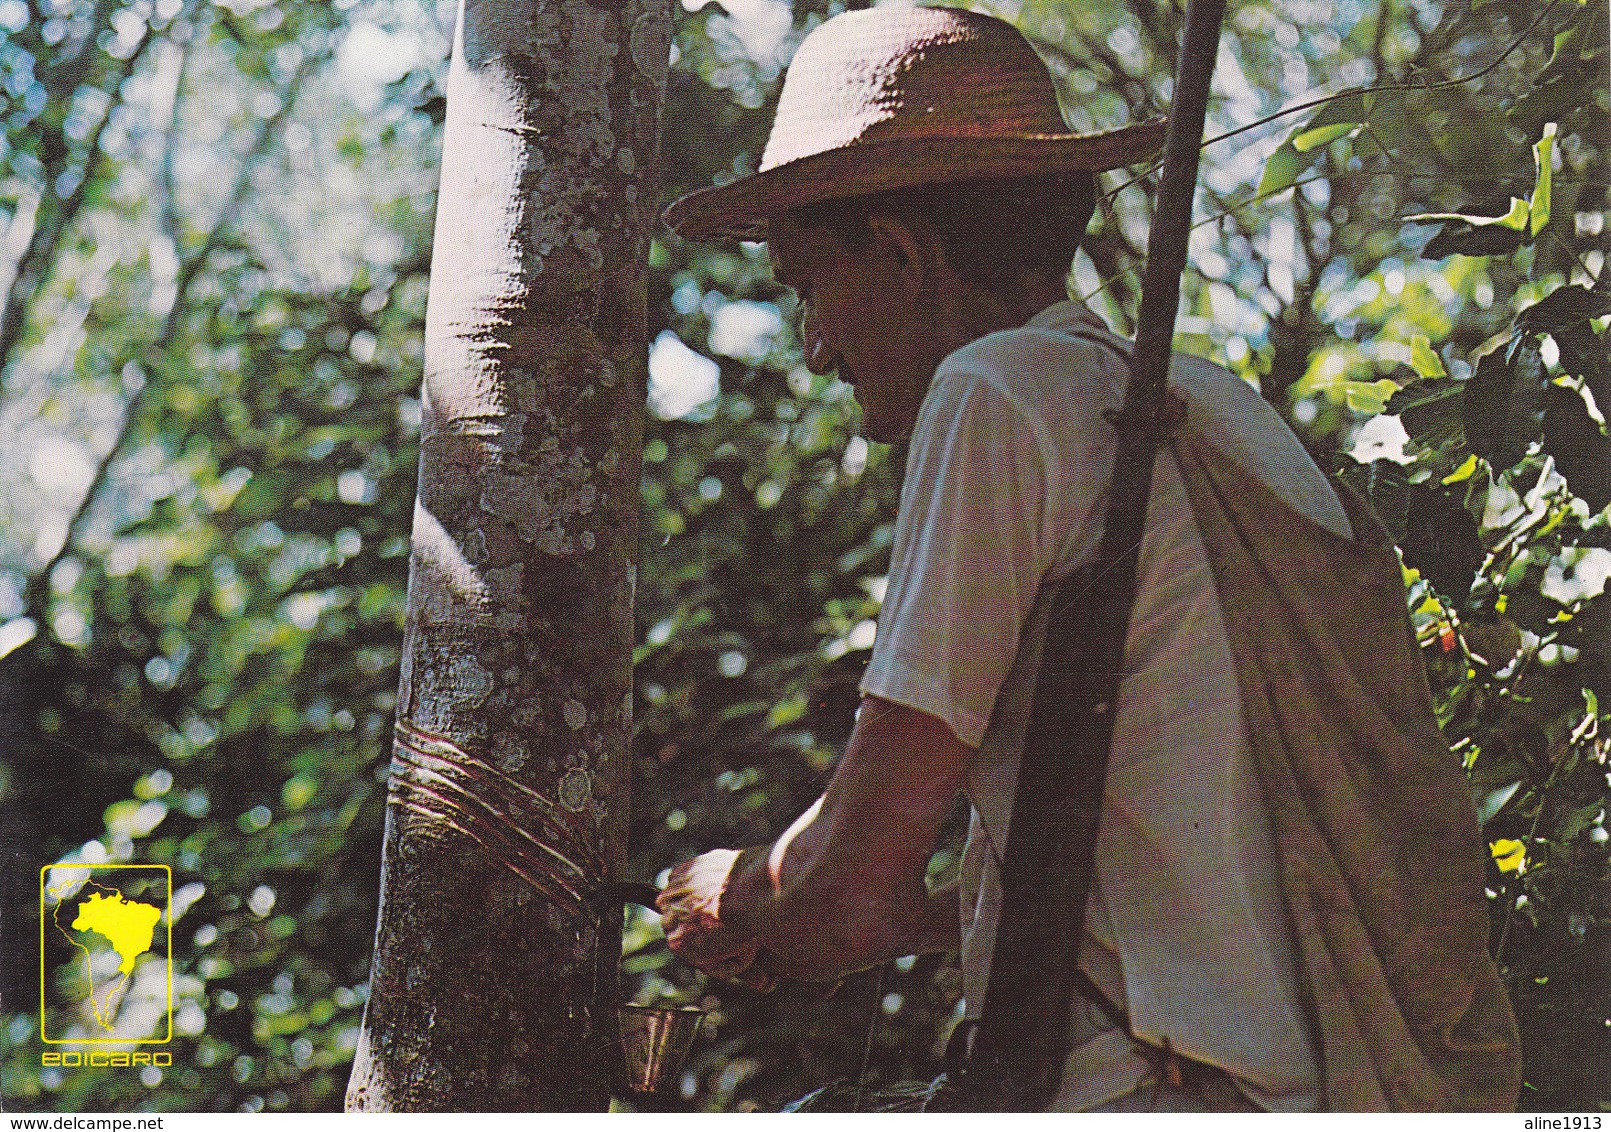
(493, 987)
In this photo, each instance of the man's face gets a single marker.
(864, 317)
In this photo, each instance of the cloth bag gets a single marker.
(1378, 841)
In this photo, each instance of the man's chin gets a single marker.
(883, 427)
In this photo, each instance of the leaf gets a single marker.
(786, 711)
(1424, 359)
(1563, 305)
(1580, 821)
(1432, 411)
(1281, 169)
(1368, 397)
(1581, 450)
(1509, 855)
(263, 496)
(1495, 801)
(1464, 472)
(1517, 216)
(1386, 113)
(744, 710)
(1389, 493)
(1301, 150)
(1473, 240)
(1565, 314)
(1584, 354)
(1543, 151)
(1318, 137)
(1441, 541)
(1496, 641)
(1466, 234)
(1504, 402)
(1575, 65)
(1420, 396)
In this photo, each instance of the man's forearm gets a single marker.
(828, 937)
(843, 888)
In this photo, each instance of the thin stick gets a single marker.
(1171, 224)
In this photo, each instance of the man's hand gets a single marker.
(690, 907)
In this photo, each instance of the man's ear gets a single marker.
(915, 252)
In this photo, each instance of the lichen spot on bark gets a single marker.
(650, 45)
(452, 686)
(575, 789)
(575, 714)
(504, 584)
(509, 752)
(473, 682)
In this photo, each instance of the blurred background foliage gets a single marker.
(214, 235)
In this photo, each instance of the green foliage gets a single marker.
(1509, 475)
(201, 670)
(1501, 500)
(213, 666)
(245, 667)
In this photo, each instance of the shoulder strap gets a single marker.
(1022, 1039)
(1011, 1059)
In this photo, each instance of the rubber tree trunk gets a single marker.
(492, 986)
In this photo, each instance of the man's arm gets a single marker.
(843, 888)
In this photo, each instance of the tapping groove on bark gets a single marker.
(528, 833)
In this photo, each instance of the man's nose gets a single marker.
(819, 356)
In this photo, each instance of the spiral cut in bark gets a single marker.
(524, 830)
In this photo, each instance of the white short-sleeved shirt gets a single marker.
(1005, 488)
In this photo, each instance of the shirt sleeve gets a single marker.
(969, 552)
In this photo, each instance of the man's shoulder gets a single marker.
(1018, 361)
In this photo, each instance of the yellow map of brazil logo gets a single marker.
(117, 986)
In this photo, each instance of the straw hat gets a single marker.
(897, 96)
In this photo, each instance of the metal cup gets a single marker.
(655, 1041)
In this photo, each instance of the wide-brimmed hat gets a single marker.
(897, 96)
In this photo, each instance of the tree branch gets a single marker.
(1378, 43)
(38, 585)
(33, 265)
(1352, 92)
(172, 74)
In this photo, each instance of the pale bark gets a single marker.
(492, 986)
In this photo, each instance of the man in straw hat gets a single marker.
(923, 196)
